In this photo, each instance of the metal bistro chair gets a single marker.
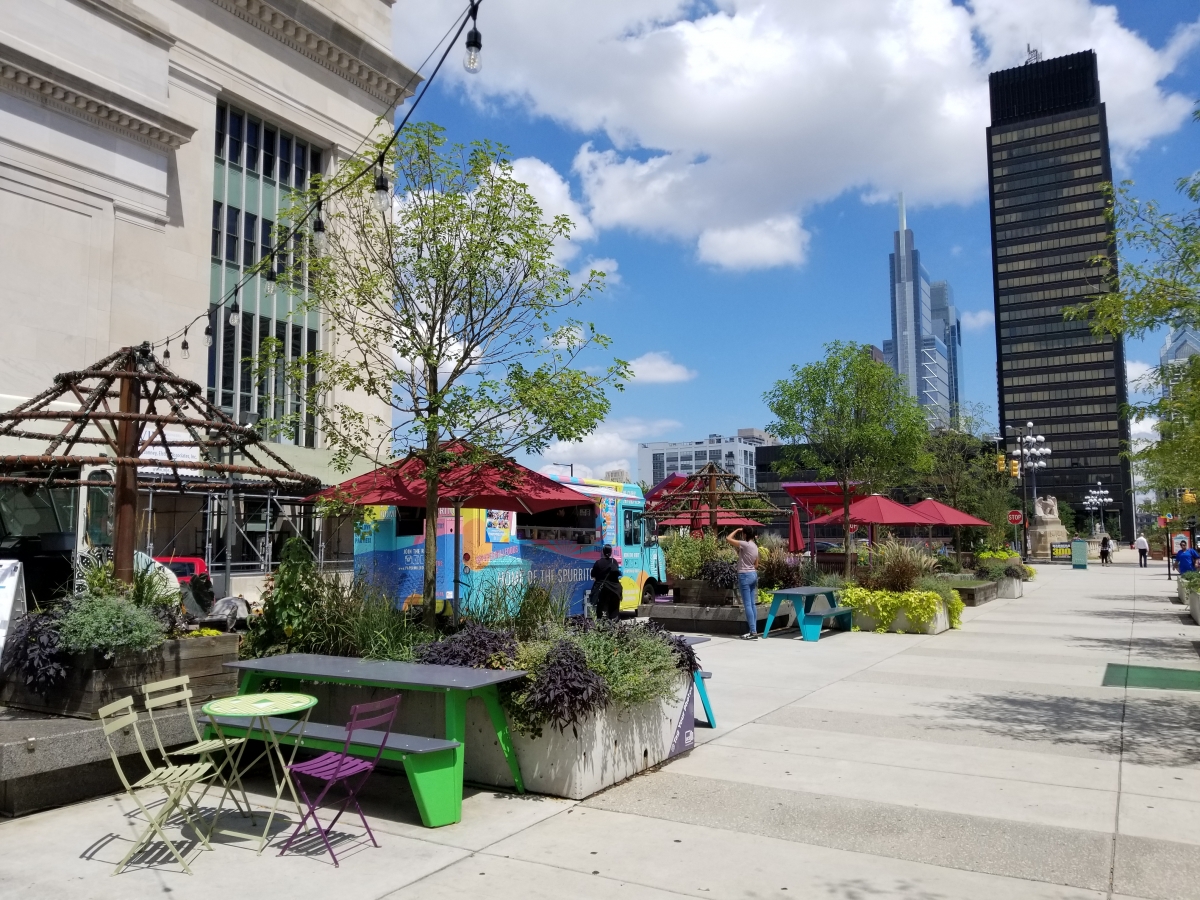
(342, 768)
(178, 690)
(176, 781)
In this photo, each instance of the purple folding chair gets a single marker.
(343, 769)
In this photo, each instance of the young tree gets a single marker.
(958, 461)
(850, 418)
(447, 309)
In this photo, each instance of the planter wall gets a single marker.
(978, 595)
(940, 623)
(695, 592)
(93, 681)
(1009, 588)
(1193, 604)
(729, 619)
(604, 750)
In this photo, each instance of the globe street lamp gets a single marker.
(1030, 452)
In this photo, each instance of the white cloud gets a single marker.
(659, 368)
(772, 242)
(553, 195)
(1135, 371)
(1145, 430)
(605, 264)
(977, 320)
(611, 446)
(726, 122)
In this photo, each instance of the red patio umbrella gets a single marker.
(726, 518)
(878, 510)
(498, 484)
(948, 515)
(795, 536)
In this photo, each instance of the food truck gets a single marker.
(556, 548)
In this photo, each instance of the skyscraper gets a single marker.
(1048, 165)
(1180, 345)
(946, 325)
(917, 350)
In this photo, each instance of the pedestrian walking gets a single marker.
(606, 585)
(747, 571)
(1185, 559)
(1105, 550)
(1143, 549)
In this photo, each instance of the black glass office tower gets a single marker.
(1048, 164)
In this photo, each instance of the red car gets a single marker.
(184, 567)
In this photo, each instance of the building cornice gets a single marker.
(27, 76)
(314, 33)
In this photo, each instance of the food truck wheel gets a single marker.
(648, 593)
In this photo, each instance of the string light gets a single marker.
(167, 353)
(383, 192)
(471, 62)
(183, 346)
(320, 238)
(271, 277)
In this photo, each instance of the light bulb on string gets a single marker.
(167, 353)
(208, 335)
(471, 62)
(319, 238)
(235, 311)
(383, 192)
(271, 278)
(183, 346)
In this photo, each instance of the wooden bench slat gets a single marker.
(401, 743)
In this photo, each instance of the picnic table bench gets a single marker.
(698, 679)
(810, 621)
(434, 765)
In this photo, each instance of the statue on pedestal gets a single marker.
(1045, 528)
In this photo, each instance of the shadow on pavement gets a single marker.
(1159, 732)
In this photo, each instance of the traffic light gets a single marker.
(1014, 468)
(1188, 496)
(1000, 465)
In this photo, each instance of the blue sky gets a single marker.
(747, 217)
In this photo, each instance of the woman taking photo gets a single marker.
(747, 572)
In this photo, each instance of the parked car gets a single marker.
(184, 567)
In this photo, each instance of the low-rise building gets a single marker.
(734, 454)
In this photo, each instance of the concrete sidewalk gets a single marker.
(983, 763)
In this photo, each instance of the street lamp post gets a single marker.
(1029, 452)
(570, 466)
(1097, 499)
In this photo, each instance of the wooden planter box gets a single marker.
(93, 681)
(695, 592)
(1160, 555)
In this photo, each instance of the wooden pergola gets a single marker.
(707, 496)
(154, 428)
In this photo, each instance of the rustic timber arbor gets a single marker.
(710, 498)
(162, 432)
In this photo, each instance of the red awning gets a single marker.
(948, 515)
(816, 493)
(500, 484)
(878, 510)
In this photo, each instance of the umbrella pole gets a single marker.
(457, 558)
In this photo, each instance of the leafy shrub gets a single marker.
(686, 555)
(357, 619)
(719, 573)
(997, 554)
(772, 544)
(476, 647)
(883, 606)
(34, 651)
(564, 691)
(635, 663)
(779, 571)
(992, 569)
(948, 564)
(945, 590)
(203, 632)
(291, 593)
(1030, 573)
(897, 566)
(1015, 570)
(108, 625)
(525, 609)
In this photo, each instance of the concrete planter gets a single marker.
(1181, 591)
(940, 623)
(93, 681)
(704, 619)
(607, 748)
(1193, 605)
(1009, 588)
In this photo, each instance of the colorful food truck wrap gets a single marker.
(501, 548)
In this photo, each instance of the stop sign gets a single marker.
(853, 527)
(1014, 517)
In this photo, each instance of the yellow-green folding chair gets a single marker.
(176, 781)
(178, 690)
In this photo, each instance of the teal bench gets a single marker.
(810, 622)
(429, 763)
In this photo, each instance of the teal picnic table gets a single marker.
(456, 684)
(810, 621)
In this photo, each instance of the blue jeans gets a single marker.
(748, 585)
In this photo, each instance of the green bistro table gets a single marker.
(457, 685)
(261, 707)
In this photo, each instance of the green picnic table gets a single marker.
(457, 684)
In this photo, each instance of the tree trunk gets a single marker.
(846, 525)
(429, 592)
